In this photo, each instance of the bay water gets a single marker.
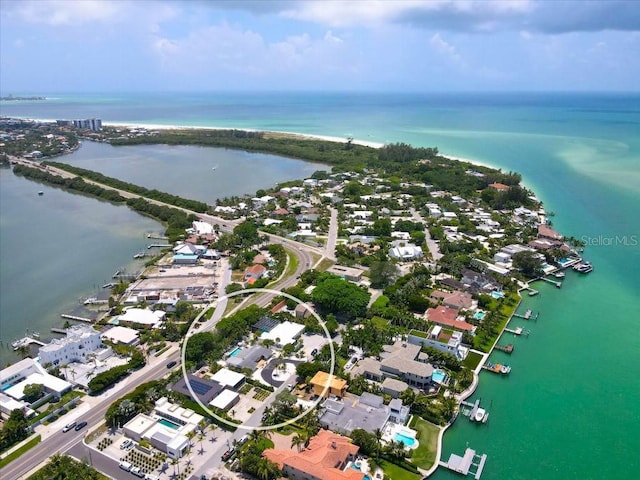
(569, 408)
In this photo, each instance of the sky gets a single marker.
(327, 45)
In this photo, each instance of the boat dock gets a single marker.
(470, 463)
(518, 331)
(528, 315)
(497, 368)
(158, 245)
(505, 348)
(553, 282)
(25, 342)
(58, 330)
(474, 412)
(74, 317)
(156, 236)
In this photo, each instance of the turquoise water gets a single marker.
(569, 407)
(357, 467)
(497, 294)
(479, 315)
(235, 351)
(408, 441)
(167, 423)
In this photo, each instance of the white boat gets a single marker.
(480, 413)
(40, 192)
(559, 274)
(584, 267)
(35, 334)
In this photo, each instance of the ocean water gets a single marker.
(569, 408)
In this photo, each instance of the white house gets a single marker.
(81, 344)
(202, 228)
(405, 251)
(141, 317)
(14, 378)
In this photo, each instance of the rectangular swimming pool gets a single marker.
(167, 423)
(235, 351)
(408, 441)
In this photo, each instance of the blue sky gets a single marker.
(436, 45)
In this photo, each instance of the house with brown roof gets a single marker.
(253, 273)
(499, 186)
(456, 299)
(448, 317)
(545, 231)
(337, 386)
(326, 458)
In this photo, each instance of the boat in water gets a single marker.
(584, 267)
(559, 274)
(480, 414)
(40, 192)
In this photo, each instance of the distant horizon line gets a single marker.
(325, 92)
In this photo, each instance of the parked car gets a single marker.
(69, 426)
(243, 439)
(126, 466)
(227, 455)
(81, 425)
(172, 364)
(314, 352)
(137, 472)
(125, 444)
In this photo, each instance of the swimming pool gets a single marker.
(357, 467)
(438, 376)
(563, 261)
(495, 294)
(479, 315)
(167, 423)
(235, 351)
(408, 441)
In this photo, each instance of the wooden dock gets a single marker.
(528, 315)
(505, 348)
(25, 342)
(75, 317)
(58, 330)
(158, 245)
(553, 282)
(497, 368)
(517, 331)
(469, 463)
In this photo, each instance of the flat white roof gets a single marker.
(224, 399)
(120, 334)
(142, 315)
(140, 424)
(286, 332)
(48, 381)
(227, 378)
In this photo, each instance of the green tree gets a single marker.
(33, 392)
(382, 227)
(341, 298)
(14, 429)
(383, 274)
(528, 263)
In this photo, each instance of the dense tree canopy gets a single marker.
(340, 297)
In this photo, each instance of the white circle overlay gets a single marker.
(260, 427)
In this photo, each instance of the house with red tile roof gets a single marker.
(499, 186)
(545, 231)
(253, 273)
(326, 458)
(456, 299)
(447, 317)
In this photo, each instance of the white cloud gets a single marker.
(444, 48)
(65, 13)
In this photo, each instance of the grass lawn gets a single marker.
(379, 322)
(292, 266)
(23, 449)
(425, 455)
(397, 473)
(472, 360)
(324, 264)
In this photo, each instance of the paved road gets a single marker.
(434, 248)
(330, 247)
(61, 442)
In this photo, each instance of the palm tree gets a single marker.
(264, 470)
(297, 441)
(23, 351)
(378, 434)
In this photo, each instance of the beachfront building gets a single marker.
(82, 344)
(445, 340)
(14, 378)
(402, 361)
(327, 457)
(167, 428)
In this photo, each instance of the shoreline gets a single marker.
(328, 138)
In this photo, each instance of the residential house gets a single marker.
(254, 273)
(447, 317)
(405, 252)
(325, 458)
(336, 386)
